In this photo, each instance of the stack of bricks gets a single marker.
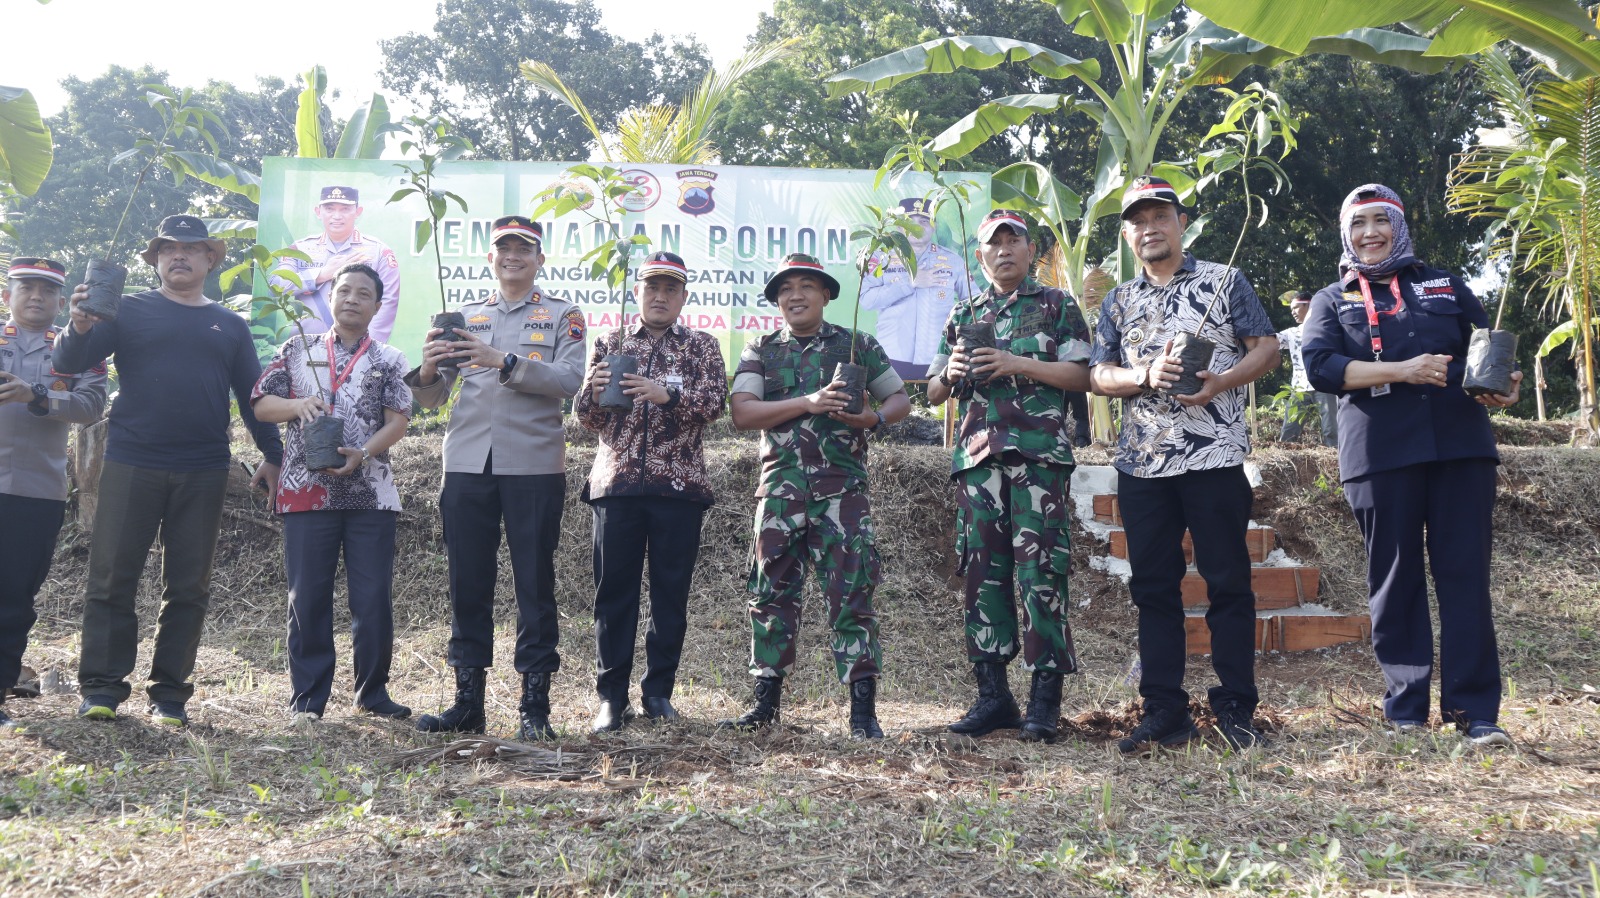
(1287, 616)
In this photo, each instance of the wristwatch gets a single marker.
(40, 403)
(509, 363)
(944, 378)
(40, 392)
(673, 396)
(365, 455)
(874, 428)
(1143, 382)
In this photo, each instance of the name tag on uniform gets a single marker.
(673, 380)
(1381, 389)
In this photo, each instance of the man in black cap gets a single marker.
(180, 357)
(340, 244)
(520, 356)
(912, 310)
(1180, 462)
(649, 487)
(36, 406)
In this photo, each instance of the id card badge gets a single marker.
(1381, 390)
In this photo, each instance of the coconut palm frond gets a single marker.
(646, 134)
(702, 107)
(545, 79)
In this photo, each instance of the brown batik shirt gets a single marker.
(656, 450)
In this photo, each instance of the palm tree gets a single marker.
(1538, 179)
(661, 132)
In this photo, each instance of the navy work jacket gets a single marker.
(1413, 423)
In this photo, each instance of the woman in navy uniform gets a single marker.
(1418, 462)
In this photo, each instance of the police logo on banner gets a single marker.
(695, 190)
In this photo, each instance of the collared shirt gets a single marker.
(656, 450)
(1017, 413)
(1412, 423)
(1160, 436)
(811, 456)
(911, 318)
(316, 296)
(517, 416)
(33, 440)
(1289, 341)
(374, 385)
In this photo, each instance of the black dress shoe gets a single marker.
(659, 708)
(384, 706)
(612, 716)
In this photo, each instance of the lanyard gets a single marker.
(1373, 313)
(337, 380)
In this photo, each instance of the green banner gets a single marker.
(732, 226)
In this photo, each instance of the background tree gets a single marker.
(466, 70)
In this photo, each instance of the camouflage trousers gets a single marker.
(1013, 544)
(833, 534)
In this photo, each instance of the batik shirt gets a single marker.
(656, 450)
(1160, 436)
(375, 385)
(1017, 413)
(811, 456)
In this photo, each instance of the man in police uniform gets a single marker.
(36, 405)
(912, 311)
(1012, 464)
(340, 244)
(812, 497)
(521, 355)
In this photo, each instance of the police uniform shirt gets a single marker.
(316, 296)
(911, 318)
(517, 415)
(1412, 423)
(33, 443)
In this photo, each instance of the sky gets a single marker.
(84, 37)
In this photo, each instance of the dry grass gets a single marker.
(246, 804)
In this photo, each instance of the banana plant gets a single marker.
(26, 148)
(1133, 110)
(1559, 33)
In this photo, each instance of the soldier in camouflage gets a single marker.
(813, 506)
(1012, 464)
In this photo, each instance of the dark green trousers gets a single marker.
(136, 504)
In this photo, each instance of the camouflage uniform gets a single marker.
(813, 504)
(1012, 462)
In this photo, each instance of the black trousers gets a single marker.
(312, 543)
(185, 508)
(626, 528)
(473, 507)
(28, 531)
(1449, 507)
(1214, 506)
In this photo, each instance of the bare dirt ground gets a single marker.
(245, 804)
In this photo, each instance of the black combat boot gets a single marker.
(466, 715)
(995, 709)
(864, 709)
(769, 691)
(534, 709)
(1044, 707)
